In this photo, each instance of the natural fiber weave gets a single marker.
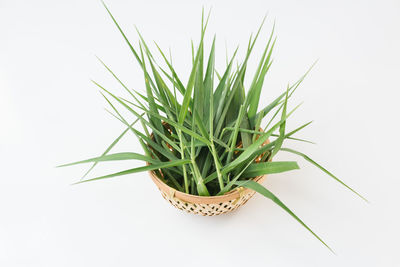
(206, 206)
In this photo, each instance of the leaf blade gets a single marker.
(113, 157)
(324, 170)
(151, 167)
(268, 194)
(258, 169)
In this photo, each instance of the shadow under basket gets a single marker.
(206, 206)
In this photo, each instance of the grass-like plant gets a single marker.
(207, 143)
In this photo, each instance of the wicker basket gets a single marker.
(206, 206)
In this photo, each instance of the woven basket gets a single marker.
(206, 206)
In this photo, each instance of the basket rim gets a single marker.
(230, 195)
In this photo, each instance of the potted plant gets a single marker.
(208, 152)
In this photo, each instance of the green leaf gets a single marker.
(165, 152)
(192, 78)
(156, 131)
(281, 137)
(166, 95)
(213, 151)
(174, 79)
(258, 80)
(115, 76)
(246, 138)
(154, 121)
(297, 129)
(198, 89)
(151, 167)
(267, 109)
(253, 150)
(170, 122)
(111, 146)
(250, 150)
(237, 94)
(222, 89)
(268, 194)
(113, 157)
(295, 139)
(258, 169)
(209, 81)
(273, 104)
(234, 134)
(123, 35)
(200, 186)
(323, 169)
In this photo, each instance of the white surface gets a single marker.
(50, 113)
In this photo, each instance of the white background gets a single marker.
(50, 113)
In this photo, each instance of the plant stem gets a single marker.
(235, 135)
(201, 187)
(185, 178)
(217, 164)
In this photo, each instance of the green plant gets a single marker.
(207, 143)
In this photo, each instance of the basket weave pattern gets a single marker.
(206, 206)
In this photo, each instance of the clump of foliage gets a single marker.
(211, 141)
